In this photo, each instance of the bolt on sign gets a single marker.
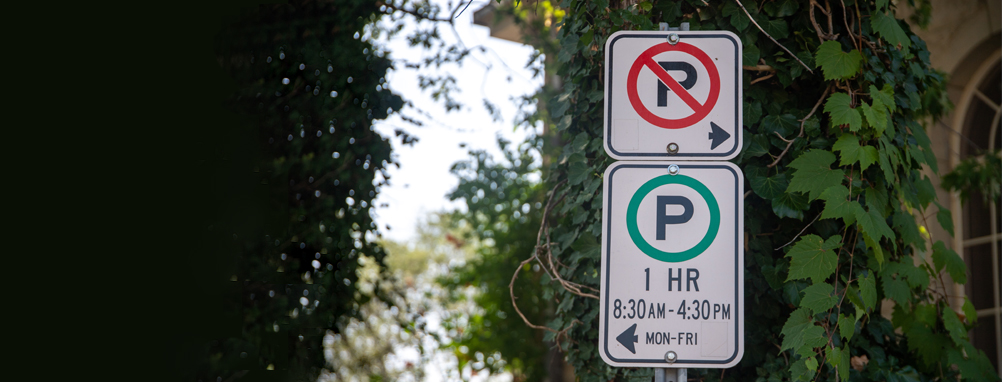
(673, 95)
(672, 268)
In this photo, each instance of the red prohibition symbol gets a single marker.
(699, 110)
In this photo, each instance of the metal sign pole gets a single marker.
(665, 374)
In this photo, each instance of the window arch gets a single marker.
(979, 229)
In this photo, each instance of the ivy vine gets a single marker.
(834, 152)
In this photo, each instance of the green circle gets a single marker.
(672, 257)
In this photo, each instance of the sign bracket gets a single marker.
(663, 27)
(670, 375)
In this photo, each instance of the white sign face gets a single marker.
(687, 93)
(672, 276)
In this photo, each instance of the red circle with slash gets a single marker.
(700, 110)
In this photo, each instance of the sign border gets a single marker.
(738, 266)
(607, 120)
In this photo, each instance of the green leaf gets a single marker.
(868, 290)
(890, 30)
(812, 126)
(927, 344)
(730, 9)
(578, 172)
(814, 336)
(851, 152)
(945, 219)
(839, 107)
(819, 298)
(926, 191)
(867, 156)
(876, 198)
(884, 161)
(787, 8)
(587, 37)
(749, 53)
(839, 358)
(580, 143)
(853, 295)
(917, 154)
(895, 289)
(785, 124)
(944, 257)
(768, 187)
(753, 112)
(975, 366)
(758, 145)
(838, 205)
(881, 4)
(846, 327)
(919, 133)
(926, 314)
(874, 224)
(848, 147)
(885, 95)
(799, 370)
(790, 205)
(901, 317)
(814, 173)
(969, 312)
(835, 63)
(813, 258)
(843, 367)
(915, 276)
(909, 233)
(876, 115)
(811, 363)
(793, 330)
(874, 245)
(954, 327)
(775, 27)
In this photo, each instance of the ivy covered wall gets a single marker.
(835, 94)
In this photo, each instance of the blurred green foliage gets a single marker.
(504, 202)
(977, 175)
(292, 180)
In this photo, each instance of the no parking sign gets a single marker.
(673, 98)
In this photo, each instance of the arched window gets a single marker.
(978, 114)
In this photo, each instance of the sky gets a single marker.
(421, 184)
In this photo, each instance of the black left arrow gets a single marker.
(628, 338)
(717, 135)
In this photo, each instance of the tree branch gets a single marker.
(760, 68)
(802, 122)
(801, 232)
(770, 37)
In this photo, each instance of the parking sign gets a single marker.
(672, 266)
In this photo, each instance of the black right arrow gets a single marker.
(628, 338)
(717, 135)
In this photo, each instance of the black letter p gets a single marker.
(664, 219)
